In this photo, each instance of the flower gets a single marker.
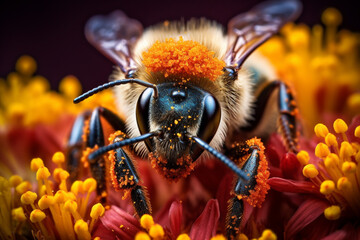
(321, 65)
(330, 193)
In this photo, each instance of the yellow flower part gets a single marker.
(69, 214)
(338, 173)
(321, 64)
(26, 99)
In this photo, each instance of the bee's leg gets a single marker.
(87, 133)
(250, 156)
(124, 176)
(287, 112)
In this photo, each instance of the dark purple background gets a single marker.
(52, 31)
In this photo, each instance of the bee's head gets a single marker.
(179, 111)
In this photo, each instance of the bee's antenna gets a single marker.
(115, 83)
(221, 157)
(122, 143)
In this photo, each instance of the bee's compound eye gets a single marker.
(178, 95)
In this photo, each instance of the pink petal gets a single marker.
(205, 226)
(175, 216)
(310, 210)
(291, 186)
(122, 224)
(347, 232)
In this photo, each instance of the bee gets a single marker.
(188, 90)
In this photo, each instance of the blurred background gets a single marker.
(52, 31)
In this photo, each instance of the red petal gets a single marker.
(290, 166)
(205, 226)
(347, 232)
(175, 216)
(291, 186)
(121, 223)
(310, 210)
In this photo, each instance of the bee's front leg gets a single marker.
(286, 108)
(250, 157)
(124, 176)
(87, 134)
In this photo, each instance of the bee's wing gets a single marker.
(115, 36)
(249, 30)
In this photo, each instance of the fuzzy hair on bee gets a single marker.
(191, 90)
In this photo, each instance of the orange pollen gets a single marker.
(184, 58)
(258, 194)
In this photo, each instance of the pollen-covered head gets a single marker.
(183, 59)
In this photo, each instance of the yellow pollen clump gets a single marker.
(70, 87)
(332, 212)
(60, 196)
(218, 237)
(156, 231)
(146, 221)
(340, 126)
(322, 150)
(82, 230)
(357, 132)
(331, 160)
(331, 16)
(77, 187)
(321, 130)
(15, 180)
(242, 236)
(327, 187)
(142, 236)
(310, 171)
(267, 234)
(18, 214)
(28, 197)
(46, 201)
(182, 58)
(183, 236)
(26, 65)
(37, 216)
(89, 185)
(303, 157)
(346, 150)
(42, 173)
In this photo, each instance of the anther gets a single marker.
(28, 197)
(340, 126)
(332, 213)
(37, 216)
(322, 150)
(321, 130)
(327, 187)
(18, 214)
(303, 157)
(156, 231)
(310, 171)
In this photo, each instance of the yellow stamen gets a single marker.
(28, 197)
(303, 157)
(331, 16)
(327, 187)
(330, 140)
(331, 160)
(60, 196)
(146, 221)
(58, 158)
(26, 65)
(340, 126)
(36, 163)
(18, 214)
(142, 236)
(42, 173)
(321, 130)
(23, 187)
(357, 132)
(46, 201)
(343, 184)
(70, 86)
(156, 231)
(183, 236)
(346, 151)
(348, 167)
(332, 213)
(15, 180)
(267, 234)
(242, 237)
(322, 150)
(37, 216)
(81, 229)
(89, 185)
(97, 211)
(310, 171)
(77, 187)
(218, 237)
(71, 206)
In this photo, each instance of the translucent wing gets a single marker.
(114, 35)
(249, 30)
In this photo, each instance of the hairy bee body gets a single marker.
(235, 97)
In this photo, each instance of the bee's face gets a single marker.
(179, 110)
